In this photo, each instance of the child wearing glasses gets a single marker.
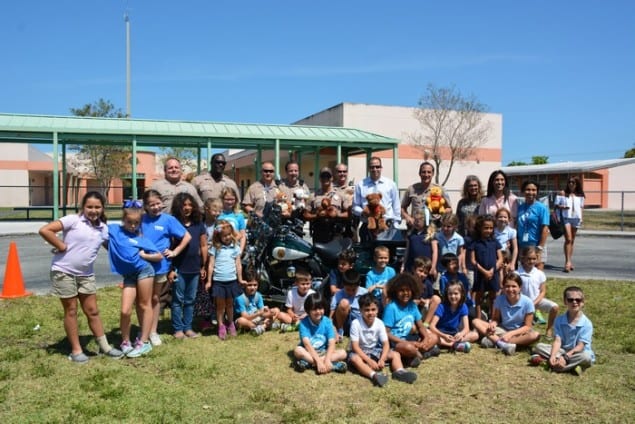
(571, 349)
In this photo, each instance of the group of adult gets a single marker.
(346, 201)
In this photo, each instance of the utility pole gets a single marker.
(127, 21)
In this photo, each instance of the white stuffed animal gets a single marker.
(299, 199)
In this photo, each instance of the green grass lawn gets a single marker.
(249, 379)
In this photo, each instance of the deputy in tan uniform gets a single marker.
(173, 184)
(261, 192)
(345, 188)
(210, 184)
(325, 227)
(293, 185)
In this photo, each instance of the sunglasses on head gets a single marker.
(132, 204)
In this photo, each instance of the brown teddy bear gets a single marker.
(374, 211)
(326, 209)
(435, 201)
(283, 201)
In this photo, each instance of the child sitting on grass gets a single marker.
(317, 340)
(370, 349)
(250, 309)
(571, 349)
(511, 320)
(295, 301)
(345, 303)
(406, 332)
(450, 321)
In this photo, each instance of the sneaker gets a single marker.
(538, 318)
(222, 331)
(414, 362)
(276, 325)
(155, 339)
(287, 328)
(114, 353)
(464, 347)
(301, 365)
(486, 343)
(536, 360)
(404, 376)
(80, 358)
(257, 330)
(577, 371)
(232, 329)
(126, 347)
(435, 351)
(140, 349)
(509, 349)
(340, 366)
(379, 379)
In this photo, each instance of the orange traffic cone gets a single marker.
(13, 281)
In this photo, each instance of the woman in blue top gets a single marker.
(161, 229)
(189, 265)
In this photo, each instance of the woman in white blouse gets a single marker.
(571, 202)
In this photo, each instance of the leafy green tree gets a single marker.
(539, 160)
(104, 160)
(516, 163)
(450, 122)
(630, 153)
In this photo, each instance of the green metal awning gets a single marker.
(65, 130)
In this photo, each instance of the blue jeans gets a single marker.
(183, 295)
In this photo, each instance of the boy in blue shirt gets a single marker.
(571, 349)
(250, 309)
(317, 340)
(345, 303)
(379, 275)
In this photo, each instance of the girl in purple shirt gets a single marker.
(72, 271)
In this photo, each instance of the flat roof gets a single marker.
(561, 167)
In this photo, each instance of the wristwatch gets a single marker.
(540, 248)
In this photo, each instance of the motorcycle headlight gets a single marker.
(291, 272)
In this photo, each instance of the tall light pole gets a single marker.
(127, 21)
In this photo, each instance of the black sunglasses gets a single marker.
(220, 162)
(267, 171)
(574, 299)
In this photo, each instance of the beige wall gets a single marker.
(621, 178)
(399, 122)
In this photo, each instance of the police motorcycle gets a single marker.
(276, 248)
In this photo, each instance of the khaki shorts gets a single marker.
(66, 285)
(161, 278)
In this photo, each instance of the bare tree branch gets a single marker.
(452, 127)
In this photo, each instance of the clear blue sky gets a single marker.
(562, 73)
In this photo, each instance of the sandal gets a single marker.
(191, 334)
(179, 335)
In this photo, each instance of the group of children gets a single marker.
(399, 318)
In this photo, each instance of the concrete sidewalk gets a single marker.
(8, 228)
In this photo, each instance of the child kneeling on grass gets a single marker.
(253, 315)
(317, 340)
(571, 349)
(370, 349)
